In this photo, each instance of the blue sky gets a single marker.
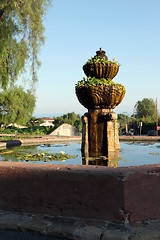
(75, 30)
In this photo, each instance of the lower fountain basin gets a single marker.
(82, 192)
(100, 96)
(125, 194)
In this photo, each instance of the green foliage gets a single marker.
(148, 126)
(70, 118)
(98, 59)
(35, 121)
(35, 130)
(16, 106)
(123, 120)
(93, 81)
(145, 113)
(46, 157)
(146, 110)
(35, 156)
(21, 35)
(6, 138)
(78, 124)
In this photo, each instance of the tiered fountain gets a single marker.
(100, 95)
(85, 202)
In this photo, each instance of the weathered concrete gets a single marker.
(76, 228)
(72, 191)
(88, 192)
(66, 130)
(100, 133)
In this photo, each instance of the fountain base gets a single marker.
(99, 133)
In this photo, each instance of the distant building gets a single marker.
(47, 122)
(16, 125)
(66, 130)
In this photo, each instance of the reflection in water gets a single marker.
(111, 160)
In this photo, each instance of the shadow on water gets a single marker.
(130, 154)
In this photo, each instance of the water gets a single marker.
(131, 154)
(139, 153)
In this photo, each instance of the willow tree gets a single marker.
(21, 35)
(16, 105)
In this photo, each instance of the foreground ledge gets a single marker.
(126, 195)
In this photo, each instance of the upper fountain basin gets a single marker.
(101, 70)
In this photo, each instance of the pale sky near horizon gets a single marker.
(128, 31)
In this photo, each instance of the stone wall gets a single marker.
(87, 192)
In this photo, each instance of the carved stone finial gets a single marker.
(101, 53)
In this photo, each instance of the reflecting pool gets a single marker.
(131, 154)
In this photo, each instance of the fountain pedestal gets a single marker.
(100, 133)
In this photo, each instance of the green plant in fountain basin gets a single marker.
(93, 81)
(24, 155)
(98, 91)
(99, 60)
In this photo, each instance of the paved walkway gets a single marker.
(15, 235)
(73, 228)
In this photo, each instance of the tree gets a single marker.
(35, 121)
(123, 119)
(21, 35)
(16, 105)
(78, 124)
(146, 110)
(70, 118)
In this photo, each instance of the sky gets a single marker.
(128, 31)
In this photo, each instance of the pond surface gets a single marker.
(131, 154)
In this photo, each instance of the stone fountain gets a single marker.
(83, 202)
(100, 95)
